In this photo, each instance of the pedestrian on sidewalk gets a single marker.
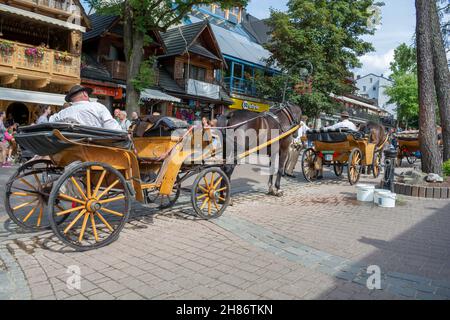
(3, 143)
(123, 121)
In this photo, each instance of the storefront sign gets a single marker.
(249, 105)
(117, 93)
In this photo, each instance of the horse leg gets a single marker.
(283, 156)
(271, 189)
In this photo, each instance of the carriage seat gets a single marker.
(325, 135)
(152, 126)
(40, 139)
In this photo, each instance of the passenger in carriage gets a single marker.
(85, 112)
(345, 123)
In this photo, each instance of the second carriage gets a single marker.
(341, 148)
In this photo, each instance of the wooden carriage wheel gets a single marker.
(163, 201)
(27, 193)
(309, 165)
(376, 164)
(338, 168)
(354, 166)
(99, 205)
(211, 193)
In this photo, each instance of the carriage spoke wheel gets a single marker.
(96, 202)
(164, 201)
(354, 166)
(338, 168)
(211, 193)
(376, 164)
(27, 193)
(308, 165)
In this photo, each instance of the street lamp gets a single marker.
(304, 72)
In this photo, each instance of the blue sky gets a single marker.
(398, 23)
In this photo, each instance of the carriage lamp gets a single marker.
(389, 172)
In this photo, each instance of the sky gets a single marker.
(397, 26)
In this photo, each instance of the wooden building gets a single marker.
(190, 71)
(104, 67)
(40, 54)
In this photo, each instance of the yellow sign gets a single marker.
(249, 105)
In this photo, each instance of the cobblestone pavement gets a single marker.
(315, 242)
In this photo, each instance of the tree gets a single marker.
(328, 34)
(431, 162)
(404, 91)
(140, 17)
(441, 78)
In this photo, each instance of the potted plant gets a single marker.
(6, 47)
(63, 57)
(36, 53)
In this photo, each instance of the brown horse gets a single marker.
(280, 119)
(376, 133)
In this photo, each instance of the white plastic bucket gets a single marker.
(387, 199)
(365, 192)
(376, 194)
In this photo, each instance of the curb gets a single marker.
(421, 191)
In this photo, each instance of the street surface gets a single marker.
(315, 242)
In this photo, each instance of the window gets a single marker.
(364, 88)
(196, 73)
(238, 71)
(371, 80)
(374, 88)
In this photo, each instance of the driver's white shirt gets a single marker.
(343, 124)
(87, 113)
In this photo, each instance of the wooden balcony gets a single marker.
(56, 7)
(117, 69)
(52, 67)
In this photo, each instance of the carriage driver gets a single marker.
(345, 123)
(84, 112)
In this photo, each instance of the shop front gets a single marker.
(112, 96)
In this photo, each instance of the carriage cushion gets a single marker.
(324, 135)
(158, 126)
(40, 139)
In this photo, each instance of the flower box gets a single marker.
(6, 47)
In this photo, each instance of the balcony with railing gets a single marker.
(241, 86)
(203, 89)
(117, 69)
(54, 6)
(34, 63)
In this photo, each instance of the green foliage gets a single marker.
(146, 76)
(328, 34)
(405, 90)
(446, 168)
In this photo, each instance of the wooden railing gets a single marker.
(61, 6)
(117, 69)
(20, 63)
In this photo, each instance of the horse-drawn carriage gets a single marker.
(341, 148)
(408, 147)
(83, 185)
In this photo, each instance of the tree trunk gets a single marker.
(134, 54)
(441, 78)
(431, 159)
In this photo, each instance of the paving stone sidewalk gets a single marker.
(316, 242)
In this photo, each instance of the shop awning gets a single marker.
(31, 96)
(40, 17)
(152, 94)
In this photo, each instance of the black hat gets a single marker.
(76, 89)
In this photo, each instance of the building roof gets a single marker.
(259, 29)
(91, 69)
(99, 25)
(180, 39)
(373, 75)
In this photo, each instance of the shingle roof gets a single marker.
(200, 50)
(178, 38)
(257, 28)
(91, 69)
(99, 24)
(167, 83)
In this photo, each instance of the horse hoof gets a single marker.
(279, 193)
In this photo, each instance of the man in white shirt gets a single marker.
(345, 123)
(295, 148)
(85, 112)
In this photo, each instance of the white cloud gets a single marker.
(376, 63)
